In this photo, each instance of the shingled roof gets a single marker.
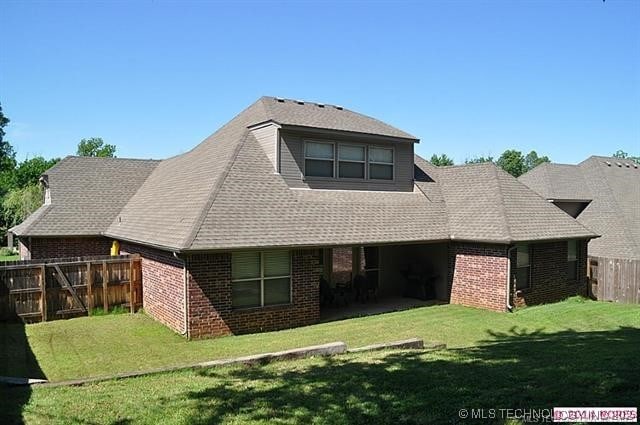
(86, 195)
(223, 194)
(613, 187)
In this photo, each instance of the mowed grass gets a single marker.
(9, 257)
(512, 368)
(106, 345)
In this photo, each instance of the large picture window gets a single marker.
(523, 267)
(260, 279)
(380, 163)
(351, 161)
(572, 260)
(319, 159)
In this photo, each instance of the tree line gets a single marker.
(20, 190)
(515, 162)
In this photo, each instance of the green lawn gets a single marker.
(9, 257)
(97, 346)
(568, 354)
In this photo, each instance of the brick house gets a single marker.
(236, 234)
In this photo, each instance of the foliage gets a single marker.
(6, 251)
(478, 160)
(28, 172)
(532, 160)
(7, 157)
(561, 354)
(18, 204)
(95, 146)
(512, 161)
(624, 155)
(440, 161)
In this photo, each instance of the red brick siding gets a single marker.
(162, 285)
(210, 311)
(64, 247)
(478, 275)
(549, 271)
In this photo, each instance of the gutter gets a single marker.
(508, 296)
(185, 281)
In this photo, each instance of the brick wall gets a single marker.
(478, 275)
(210, 310)
(549, 271)
(162, 285)
(64, 247)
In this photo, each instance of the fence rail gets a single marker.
(50, 289)
(614, 279)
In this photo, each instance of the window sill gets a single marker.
(274, 307)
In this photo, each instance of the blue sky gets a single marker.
(467, 77)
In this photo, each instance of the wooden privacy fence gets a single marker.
(41, 290)
(614, 279)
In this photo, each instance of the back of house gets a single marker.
(241, 233)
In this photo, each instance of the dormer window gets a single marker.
(351, 161)
(318, 159)
(380, 163)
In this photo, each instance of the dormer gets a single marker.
(319, 146)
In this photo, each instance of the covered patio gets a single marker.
(366, 280)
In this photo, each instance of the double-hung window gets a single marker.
(572, 260)
(523, 267)
(380, 163)
(351, 161)
(260, 279)
(319, 159)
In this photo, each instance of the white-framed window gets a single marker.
(523, 266)
(351, 161)
(260, 279)
(319, 159)
(572, 260)
(380, 163)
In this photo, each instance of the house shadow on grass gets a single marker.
(17, 360)
(515, 370)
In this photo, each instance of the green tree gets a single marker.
(95, 146)
(532, 160)
(512, 161)
(441, 160)
(7, 157)
(624, 155)
(19, 203)
(478, 159)
(28, 172)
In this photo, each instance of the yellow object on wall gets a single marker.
(115, 248)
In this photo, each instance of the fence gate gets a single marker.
(41, 290)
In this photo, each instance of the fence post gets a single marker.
(43, 292)
(89, 289)
(131, 295)
(105, 292)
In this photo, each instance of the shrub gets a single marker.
(6, 251)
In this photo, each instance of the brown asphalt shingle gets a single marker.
(614, 191)
(223, 194)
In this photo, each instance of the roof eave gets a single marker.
(330, 131)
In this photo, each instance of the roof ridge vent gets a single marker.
(618, 164)
(280, 99)
(300, 102)
(320, 105)
(635, 165)
(338, 107)
(626, 164)
(608, 163)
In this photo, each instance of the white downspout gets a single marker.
(186, 294)
(508, 297)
